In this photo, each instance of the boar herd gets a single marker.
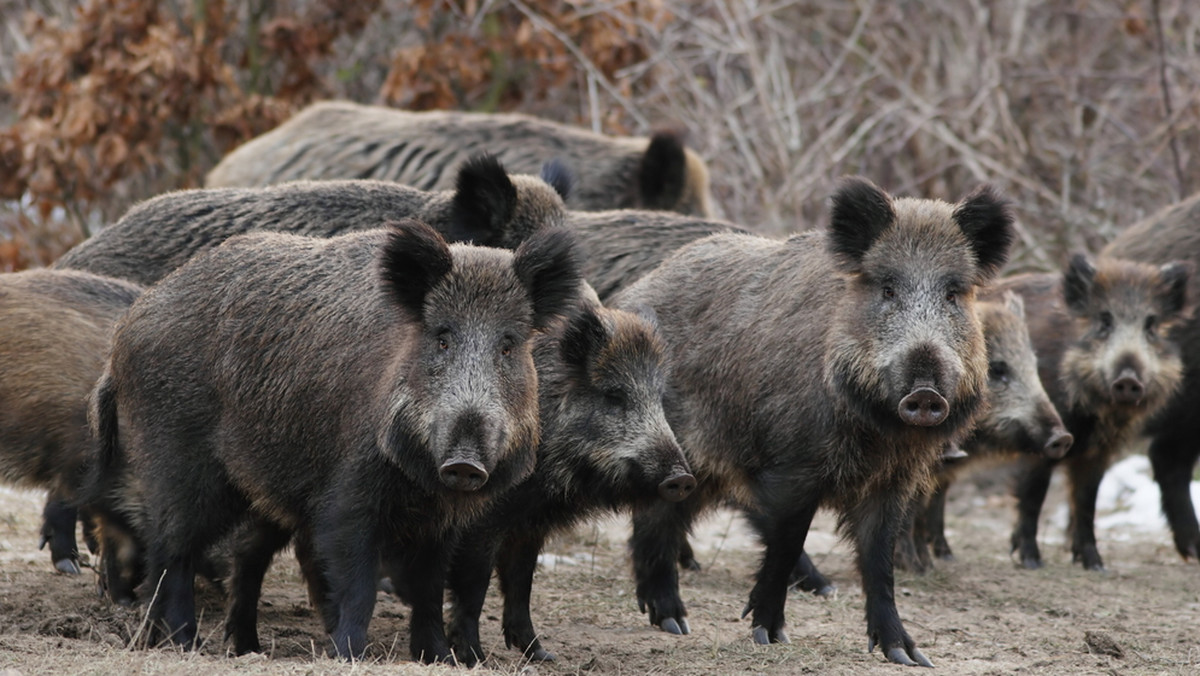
(369, 340)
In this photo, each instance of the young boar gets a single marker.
(828, 369)
(605, 445)
(341, 140)
(1102, 332)
(370, 392)
(55, 329)
(487, 207)
(1019, 418)
(1174, 233)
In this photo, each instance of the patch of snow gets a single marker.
(1129, 504)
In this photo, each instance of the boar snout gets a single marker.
(1058, 444)
(923, 407)
(677, 486)
(463, 474)
(1128, 388)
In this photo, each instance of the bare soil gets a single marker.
(978, 615)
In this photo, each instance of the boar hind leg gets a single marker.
(422, 565)
(912, 552)
(933, 520)
(783, 533)
(314, 579)
(1032, 484)
(875, 523)
(659, 532)
(806, 577)
(58, 531)
(517, 562)
(1173, 457)
(171, 594)
(470, 573)
(255, 549)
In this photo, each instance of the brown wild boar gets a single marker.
(827, 369)
(344, 140)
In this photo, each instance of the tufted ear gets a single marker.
(559, 176)
(1173, 286)
(484, 201)
(549, 266)
(987, 221)
(662, 173)
(1078, 281)
(1015, 303)
(585, 336)
(413, 260)
(860, 213)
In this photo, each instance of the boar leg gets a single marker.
(806, 577)
(58, 531)
(875, 523)
(782, 532)
(517, 562)
(470, 573)
(170, 586)
(1032, 484)
(255, 550)
(934, 521)
(687, 558)
(658, 534)
(1173, 457)
(345, 549)
(908, 555)
(314, 578)
(1085, 474)
(422, 564)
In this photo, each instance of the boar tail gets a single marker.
(104, 427)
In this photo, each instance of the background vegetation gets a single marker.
(1084, 111)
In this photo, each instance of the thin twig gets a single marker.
(1166, 95)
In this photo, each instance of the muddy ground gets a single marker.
(978, 615)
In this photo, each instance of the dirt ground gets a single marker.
(978, 615)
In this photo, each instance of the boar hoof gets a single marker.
(678, 627)
(763, 637)
(827, 591)
(540, 654)
(899, 656)
(1030, 563)
(68, 566)
(1190, 552)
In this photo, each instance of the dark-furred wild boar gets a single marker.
(605, 445)
(487, 207)
(342, 140)
(55, 329)
(369, 392)
(1019, 418)
(1170, 234)
(827, 369)
(1102, 333)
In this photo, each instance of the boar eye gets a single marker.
(616, 398)
(1151, 324)
(506, 350)
(889, 292)
(998, 370)
(1106, 323)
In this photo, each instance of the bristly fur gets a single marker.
(484, 199)
(584, 336)
(559, 176)
(986, 219)
(860, 212)
(1077, 282)
(549, 265)
(414, 258)
(1175, 277)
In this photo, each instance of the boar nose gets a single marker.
(1127, 388)
(463, 474)
(677, 486)
(923, 407)
(1058, 445)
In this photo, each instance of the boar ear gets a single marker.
(413, 260)
(548, 265)
(1015, 303)
(986, 220)
(585, 335)
(1078, 279)
(861, 211)
(662, 174)
(1175, 276)
(484, 201)
(559, 176)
